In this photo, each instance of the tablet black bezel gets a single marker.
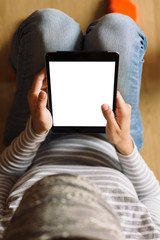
(81, 56)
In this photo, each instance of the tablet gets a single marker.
(79, 82)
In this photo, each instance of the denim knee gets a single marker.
(125, 28)
(115, 32)
(57, 30)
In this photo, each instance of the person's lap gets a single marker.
(51, 30)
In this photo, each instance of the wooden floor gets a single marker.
(12, 12)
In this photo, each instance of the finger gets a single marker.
(109, 116)
(38, 82)
(44, 85)
(42, 101)
(120, 99)
(32, 100)
(123, 112)
(121, 106)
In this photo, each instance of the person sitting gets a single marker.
(76, 186)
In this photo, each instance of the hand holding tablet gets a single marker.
(78, 84)
(37, 99)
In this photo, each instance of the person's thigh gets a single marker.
(45, 30)
(117, 32)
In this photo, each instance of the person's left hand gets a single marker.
(37, 98)
(118, 128)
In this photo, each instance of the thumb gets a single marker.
(109, 115)
(42, 100)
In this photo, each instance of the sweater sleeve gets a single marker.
(144, 181)
(16, 158)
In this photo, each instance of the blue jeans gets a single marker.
(52, 30)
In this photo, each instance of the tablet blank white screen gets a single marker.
(78, 89)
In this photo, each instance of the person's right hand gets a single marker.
(37, 98)
(118, 128)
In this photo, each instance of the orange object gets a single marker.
(125, 7)
(12, 74)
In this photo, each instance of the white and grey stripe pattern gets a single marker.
(128, 184)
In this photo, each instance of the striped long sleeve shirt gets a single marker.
(127, 183)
